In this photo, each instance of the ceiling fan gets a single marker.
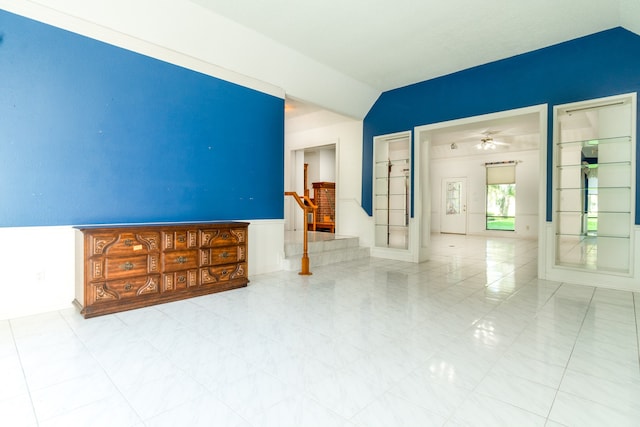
(488, 143)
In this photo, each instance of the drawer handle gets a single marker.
(128, 287)
(128, 242)
(181, 259)
(127, 266)
(225, 272)
(224, 255)
(182, 279)
(181, 239)
(225, 235)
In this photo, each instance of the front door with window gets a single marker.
(454, 206)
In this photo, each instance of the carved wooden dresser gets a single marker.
(132, 266)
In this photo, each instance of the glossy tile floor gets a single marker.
(470, 338)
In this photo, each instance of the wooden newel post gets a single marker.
(305, 208)
(305, 255)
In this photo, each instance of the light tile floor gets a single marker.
(470, 338)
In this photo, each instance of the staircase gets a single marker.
(324, 248)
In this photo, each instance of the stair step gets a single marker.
(340, 242)
(323, 249)
(318, 258)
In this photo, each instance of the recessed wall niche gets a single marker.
(392, 191)
(594, 183)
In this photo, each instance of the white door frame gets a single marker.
(294, 175)
(422, 181)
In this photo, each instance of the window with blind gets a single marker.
(501, 196)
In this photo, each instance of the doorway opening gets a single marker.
(318, 165)
(451, 173)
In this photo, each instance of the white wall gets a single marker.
(37, 270)
(327, 165)
(312, 159)
(474, 170)
(322, 166)
(320, 129)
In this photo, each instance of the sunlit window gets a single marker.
(501, 197)
(501, 207)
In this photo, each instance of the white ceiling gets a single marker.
(390, 44)
(514, 133)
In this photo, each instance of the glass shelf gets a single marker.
(389, 194)
(593, 166)
(593, 189)
(569, 211)
(594, 236)
(595, 141)
(393, 162)
(385, 178)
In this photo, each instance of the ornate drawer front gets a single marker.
(123, 244)
(180, 260)
(114, 290)
(179, 280)
(138, 265)
(217, 256)
(222, 237)
(222, 273)
(117, 268)
(180, 240)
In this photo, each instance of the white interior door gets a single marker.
(454, 206)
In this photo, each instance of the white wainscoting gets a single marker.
(37, 270)
(38, 264)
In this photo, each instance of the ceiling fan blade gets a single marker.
(488, 133)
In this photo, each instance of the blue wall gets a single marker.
(91, 133)
(599, 65)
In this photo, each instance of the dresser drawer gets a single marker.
(224, 255)
(134, 266)
(116, 268)
(222, 273)
(179, 280)
(180, 240)
(222, 237)
(113, 290)
(179, 260)
(123, 243)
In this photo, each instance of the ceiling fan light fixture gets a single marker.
(487, 144)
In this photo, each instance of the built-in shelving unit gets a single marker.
(594, 187)
(392, 189)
